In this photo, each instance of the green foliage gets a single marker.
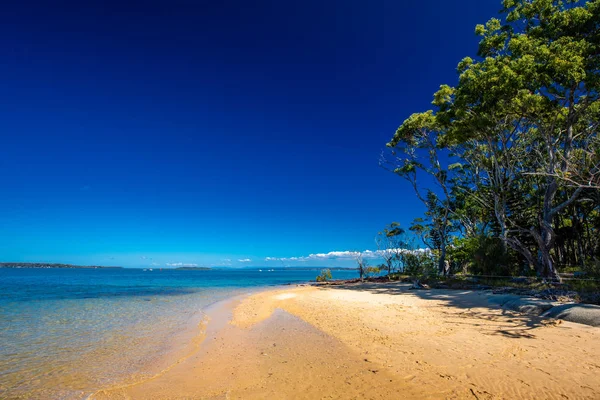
(324, 276)
(372, 271)
(409, 129)
(521, 132)
(482, 255)
(418, 264)
(390, 241)
(393, 230)
(592, 268)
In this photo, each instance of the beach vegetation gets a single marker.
(324, 276)
(362, 265)
(390, 243)
(507, 161)
(482, 255)
(419, 265)
(371, 270)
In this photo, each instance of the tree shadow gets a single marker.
(477, 309)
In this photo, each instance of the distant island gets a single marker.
(47, 265)
(312, 268)
(193, 268)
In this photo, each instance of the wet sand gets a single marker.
(378, 341)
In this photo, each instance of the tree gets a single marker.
(540, 70)
(389, 245)
(362, 265)
(415, 149)
(522, 120)
(491, 182)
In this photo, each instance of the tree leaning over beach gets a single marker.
(517, 135)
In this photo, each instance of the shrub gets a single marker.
(324, 276)
(418, 264)
(482, 255)
(592, 268)
(370, 271)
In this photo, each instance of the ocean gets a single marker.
(66, 333)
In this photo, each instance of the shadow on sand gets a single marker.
(471, 307)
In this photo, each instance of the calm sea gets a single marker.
(65, 333)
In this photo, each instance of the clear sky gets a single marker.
(213, 133)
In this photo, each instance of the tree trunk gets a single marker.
(499, 211)
(519, 247)
(442, 259)
(545, 241)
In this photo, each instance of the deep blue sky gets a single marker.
(200, 132)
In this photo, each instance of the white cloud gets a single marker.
(179, 264)
(282, 259)
(332, 255)
(245, 260)
(342, 255)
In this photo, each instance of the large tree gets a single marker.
(523, 119)
(415, 155)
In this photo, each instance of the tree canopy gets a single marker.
(513, 150)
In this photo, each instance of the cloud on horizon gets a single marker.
(341, 255)
(245, 260)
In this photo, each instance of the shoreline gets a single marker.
(377, 342)
(188, 343)
(70, 333)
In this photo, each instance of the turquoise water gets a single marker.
(65, 333)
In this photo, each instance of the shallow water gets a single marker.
(67, 333)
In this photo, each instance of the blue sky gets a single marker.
(213, 133)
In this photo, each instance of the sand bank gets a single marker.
(379, 341)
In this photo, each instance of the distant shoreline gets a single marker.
(52, 265)
(18, 265)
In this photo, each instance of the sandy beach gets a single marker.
(378, 341)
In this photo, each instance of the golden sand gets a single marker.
(379, 341)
